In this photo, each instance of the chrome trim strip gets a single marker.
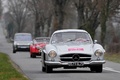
(67, 63)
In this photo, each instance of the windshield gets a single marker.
(23, 38)
(39, 40)
(71, 37)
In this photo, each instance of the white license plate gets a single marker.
(76, 64)
(23, 47)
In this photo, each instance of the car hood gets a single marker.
(23, 42)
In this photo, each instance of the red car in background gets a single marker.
(38, 44)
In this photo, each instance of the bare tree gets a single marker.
(88, 15)
(8, 24)
(91, 13)
(59, 13)
(41, 9)
(19, 12)
(1, 9)
(108, 8)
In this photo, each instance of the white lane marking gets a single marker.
(110, 69)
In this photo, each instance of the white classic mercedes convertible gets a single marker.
(72, 48)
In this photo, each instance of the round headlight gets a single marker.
(52, 54)
(98, 53)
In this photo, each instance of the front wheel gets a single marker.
(92, 68)
(32, 55)
(14, 51)
(43, 69)
(48, 69)
(97, 68)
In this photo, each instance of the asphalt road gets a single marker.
(32, 67)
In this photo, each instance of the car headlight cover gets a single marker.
(98, 53)
(52, 54)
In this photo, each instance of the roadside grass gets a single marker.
(7, 71)
(114, 57)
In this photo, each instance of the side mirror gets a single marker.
(95, 41)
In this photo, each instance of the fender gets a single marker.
(98, 46)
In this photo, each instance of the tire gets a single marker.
(97, 68)
(14, 51)
(48, 69)
(43, 69)
(92, 68)
(32, 55)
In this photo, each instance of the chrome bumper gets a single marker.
(51, 63)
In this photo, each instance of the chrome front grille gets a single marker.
(75, 57)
